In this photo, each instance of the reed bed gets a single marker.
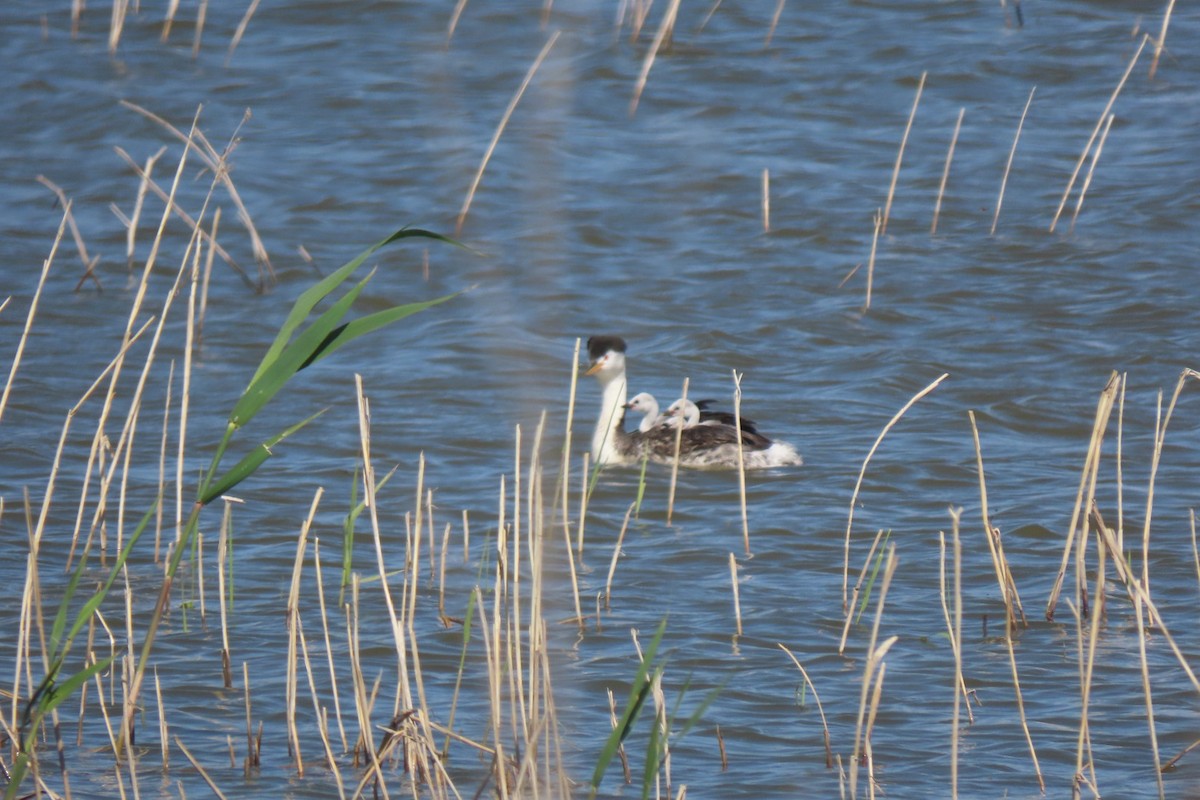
(401, 721)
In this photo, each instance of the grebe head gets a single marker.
(607, 357)
(685, 410)
(643, 403)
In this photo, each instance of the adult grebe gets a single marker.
(707, 446)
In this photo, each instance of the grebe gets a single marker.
(702, 446)
(645, 403)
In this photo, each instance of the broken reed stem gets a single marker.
(664, 30)
(675, 459)
(508, 112)
(912, 115)
(1096, 131)
(223, 539)
(820, 708)
(874, 659)
(612, 567)
(1008, 165)
(737, 421)
(1086, 479)
(1008, 586)
(937, 207)
(1158, 46)
(163, 739)
(293, 627)
(33, 305)
(1087, 180)
(1087, 668)
(201, 16)
(862, 473)
(876, 220)
(737, 603)
(252, 759)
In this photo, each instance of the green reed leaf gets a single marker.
(251, 462)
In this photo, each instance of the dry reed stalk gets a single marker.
(820, 710)
(196, 764)
(737, 423)
(1159, 440)
(774, 23)
(322, 721)
(583, 502)
(172, 7)
(161, 493)
(201, 16)
(1008, 165)
(862, 576)
(675, 459)
(1085, 495)
(708, 16)
(116, 23)
(241, 30)
(875, 657)
(612, 566)
(187, 218)
(217, 163)
(863, 471)
(612, 715)
(1087, 669)
(224, 554)
(766, 195)
(252, 759)
(1096, 130)
(1087, 181)
(162, 724)
(937, 207)
(337, 705)
(1147, 692)
(1195, 548)
(876, 220)
(131, 222)
(293, 628)
(508, 112)
(1008, 586)
(664, 31)
(1158, 46)
(872, 711)
(955, 635)
(89, 263)
(912, 115)
(454, 17)
(564, 476)
(1120, 462)
(442, 576)
(737, 603)
(208, 265)
(363, 702)
(33, 305)
(492, 657)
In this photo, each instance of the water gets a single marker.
(589, 220)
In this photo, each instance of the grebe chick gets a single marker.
(645, 404)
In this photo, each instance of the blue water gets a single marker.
(365, 117)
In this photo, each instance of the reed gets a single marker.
(1013, 609)
(675, 459)
(1008, 164)
(1087, 181)
(1158, 48)
(737, 422)
(1112, 99)
(665, 26)
(737, 603)
(508, 112)
(766, 200)
(876, 221)
(820, 710)
(872, 681)
(937, 206)
(241, 30)
(774, 23)
(862, 473)
(912, 115)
